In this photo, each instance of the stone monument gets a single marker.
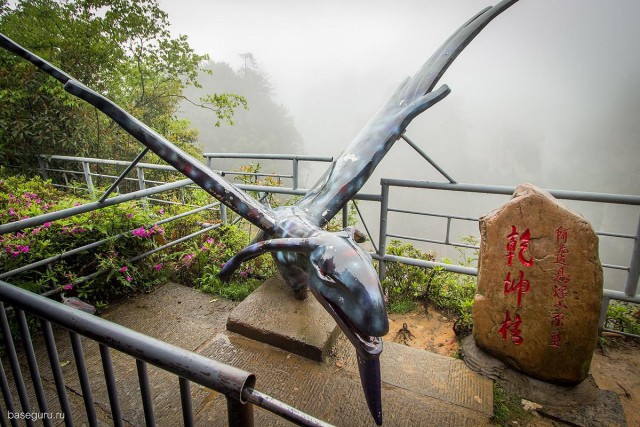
(539, 288)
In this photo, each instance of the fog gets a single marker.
(548, 93)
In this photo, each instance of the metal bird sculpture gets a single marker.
(337, 271)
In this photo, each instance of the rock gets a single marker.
(539, 288)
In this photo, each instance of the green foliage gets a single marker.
(404, 284)
(454, 293)
(21, 198)
(120, 48)
(227, 242)
(624, 317)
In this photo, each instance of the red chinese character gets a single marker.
(560, 291)
(557, 319)
(556, 337)
(511, 244)
(522, 286)
(561, 276)
(561, 304)
(561, 234)
(511, 327)
(525, 238)
(561, 255)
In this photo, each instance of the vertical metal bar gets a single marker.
(182, 195)
(3, 421)
(33, 364)
(239, 414)
(110, 380)
(631, 286)
(43, 167)
(13, 362)
(140, 174)
(446, 238)
(185, 398)
(54, 361)
(345, 215)
(87, 177)
(294, 173)
(81, 366)
(6, 394)
(145, 392)
(223, 213)
(382, 239)
(603, 313)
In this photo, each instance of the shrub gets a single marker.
(22, 198)
(225, 242)
(624, 317)
(406, 285)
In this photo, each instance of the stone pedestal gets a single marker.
(539, 288)
(273, 316)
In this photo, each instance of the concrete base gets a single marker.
(273, 316)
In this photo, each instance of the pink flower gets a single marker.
(161, 211)
(244, 274)
(158, 267)
(46, 225)
(122, 269)
(67, 287)
(211, 240)
(12, 212)
(76, 204)
(140, 232)
(129, 215)
(129, 278)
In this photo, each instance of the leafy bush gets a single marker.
(22, 198)
(406, 285)
(623, 317)
(227, 241)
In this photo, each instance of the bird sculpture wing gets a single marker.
(227, 193)
(349, 172)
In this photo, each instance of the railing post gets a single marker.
(140, 174)
(240, 414)
(603, 314)
(223, 213)
(631, 286)
(382, 242)
(345, 215)
(294, 173)
(43, 167)
(87, 177)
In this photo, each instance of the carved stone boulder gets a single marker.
(539, 288)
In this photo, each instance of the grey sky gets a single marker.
(549, 89)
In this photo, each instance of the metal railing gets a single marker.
(630, 293)
(235, 384)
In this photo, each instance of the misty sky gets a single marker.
(549, 92)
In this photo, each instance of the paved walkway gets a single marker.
(419, 388)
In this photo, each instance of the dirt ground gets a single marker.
(615, 366)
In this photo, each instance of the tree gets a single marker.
(120, 48)
(266, 126)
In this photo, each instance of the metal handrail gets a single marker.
(236, 384)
